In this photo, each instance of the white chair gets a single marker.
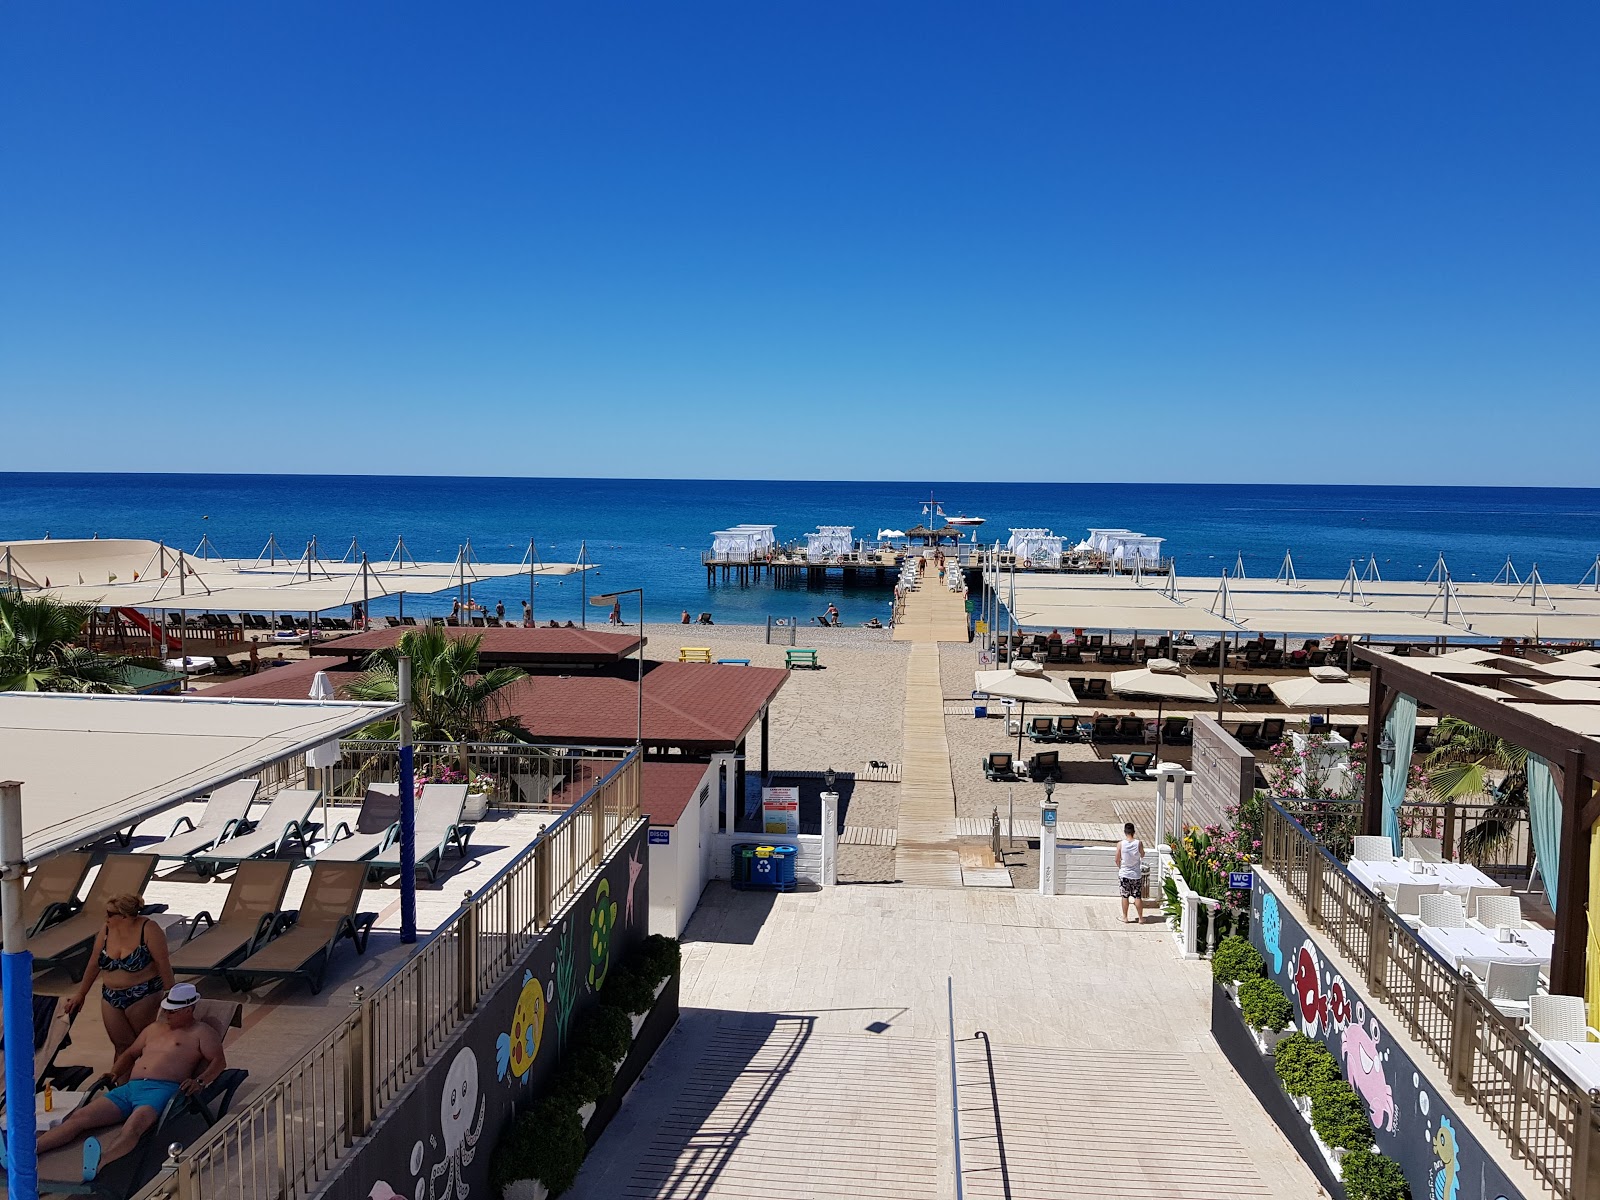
(1559, 1019)
(1372, 849)
(1427, 849)
(1493, 911)
(1475, 894)
(1511, 986)
(1407, 897)
(1442, 911)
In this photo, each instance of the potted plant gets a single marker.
(542, 1152)
(1302, 1065)
(1339, 1120)
(1236, 960)
(1266, 1010)
(1369, 1175)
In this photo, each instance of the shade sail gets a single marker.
(1160, 680)
(1541, 624)
(1031, 688)
(90, 765)
(1335, 690)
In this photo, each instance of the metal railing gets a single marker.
(515, 775)
(290, 1134)
(1495, 839)
(1548, 1121)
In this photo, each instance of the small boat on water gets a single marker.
(962, 519)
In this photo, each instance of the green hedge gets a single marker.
(547, 1141)
(1303, 1063)
(1264, 1004)
(1369, 1175)
(1339, 1117)
(1235, 960)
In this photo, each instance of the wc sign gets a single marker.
(1241, 881)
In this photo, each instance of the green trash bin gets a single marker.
(743, 854)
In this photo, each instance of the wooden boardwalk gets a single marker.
(926, 846)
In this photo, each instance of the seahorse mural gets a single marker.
(1446, 1171)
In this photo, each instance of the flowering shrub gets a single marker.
(1204, 857)
(485, 784)
(441, 772)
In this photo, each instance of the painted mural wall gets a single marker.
(1412, 1123)
(436, 1144)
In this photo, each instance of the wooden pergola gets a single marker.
(1574, 759)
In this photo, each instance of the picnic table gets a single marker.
(1379, 874)
(696, 654)
(800, 658)
(1475, 949)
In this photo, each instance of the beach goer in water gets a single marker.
(175, 1054)
(686, 616)
(616, 612)
(527, 615)
(1130, 872)
(833, 615)
(499, 610)
(874, 623)
(130, 952)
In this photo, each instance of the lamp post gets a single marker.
(613, 598)
(830, 830)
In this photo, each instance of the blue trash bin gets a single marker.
(764, 867)
(784, 857)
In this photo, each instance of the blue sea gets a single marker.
(651, 532)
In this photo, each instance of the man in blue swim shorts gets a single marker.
(175, 1054)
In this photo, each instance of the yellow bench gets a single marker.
(694, 654)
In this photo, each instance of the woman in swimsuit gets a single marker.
(131, 951)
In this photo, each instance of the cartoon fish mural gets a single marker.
(1272, 930)
(1308, 990)
(515, 1051)
(1339, 1007)
(1447, 1170)
(1363, 1067)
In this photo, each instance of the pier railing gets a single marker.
(289, 1135)
(1548, 1121)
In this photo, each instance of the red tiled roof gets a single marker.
(705, 707)
(668, 789)
(511, 646)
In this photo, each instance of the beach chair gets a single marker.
(1096, 640)
(226, 814)
(1135, 766)
(1175, 731)
(67, 943)
(1442, 910)
(1370, 848)
(305, 938)
(1078, 685)
(1106, 655)
(1130, 729)
(1066, 729)
(255, 898)
(999, 766)
(1509, 986)
(1560, 1019)
(1247, 733)
(52, 890)
(1042, 729)
(392, 622)
(439, 827)
(287, 822)
(1125, 656)
(377, 826)
(1272, 730)
(1096, 689)
(1494, 911)
(1272, 660)
(1045, 765)
(408, 621)
(1427, 849)
(1105, 729)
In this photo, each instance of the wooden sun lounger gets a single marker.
(377, 825)
(68, 943)
(439, 827)
(286, 822)
(226, 814)
(306, 938)
(255, 900)
(53, 888)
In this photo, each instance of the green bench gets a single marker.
(800, 658)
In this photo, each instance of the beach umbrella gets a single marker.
(325, 756)
(1325, 688)
(1160, 680)
(886, 534)
(1021, 687)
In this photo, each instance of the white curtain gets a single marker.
(1402, 730)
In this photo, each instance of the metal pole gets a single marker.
(641, 677)
(583, 581)
(532, 558)
(366, 600)
(955, 1095)
(408, 812)
(16, 976)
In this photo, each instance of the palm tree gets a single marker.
(452, 699)
(39, 650)
(1467, 761)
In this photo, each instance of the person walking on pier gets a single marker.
(1130, 872)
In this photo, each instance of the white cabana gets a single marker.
(733, 543)
(829, 541)
(90, 765)
(762, 537)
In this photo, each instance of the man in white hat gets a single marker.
(172, 1055)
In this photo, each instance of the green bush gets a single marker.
(605, 1028)
(1236, 959)
(1264, 1004)
(658, 959)
(1372, 1176)
(587, 1074)
(629, 990)
(1339, 1117)
(545, 1143)
(1302, 1063)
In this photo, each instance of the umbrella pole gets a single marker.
(1021, 721)
(1159, 706)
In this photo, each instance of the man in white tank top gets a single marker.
(1130, 872)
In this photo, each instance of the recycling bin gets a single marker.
(743, 854)
(764, 867)
(784, 857)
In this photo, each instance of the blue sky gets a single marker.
(1039, 241)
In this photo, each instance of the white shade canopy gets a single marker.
(92, 764)
(1031, 688)
(1161, 680)
(1324, 687)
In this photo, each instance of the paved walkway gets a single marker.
(813, 1062)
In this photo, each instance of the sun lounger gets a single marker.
(52, 889)
(225, 815)
(1135, 766)
(1131, 729)
(1043, 729)
(306, 938)
(255, 899)
(1248, 733)
(1175, 731)
(377, 824)
(998, 766)
(1096, 689)
(1066, 729)
(1272, 730)
(1045, 765)
(1105, 729)
(68, 942)
(439, 827)
(287, 822)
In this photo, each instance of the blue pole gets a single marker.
(16, 976)
(408, 813)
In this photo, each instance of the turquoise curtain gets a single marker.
(1544, 821)
(1402, 729)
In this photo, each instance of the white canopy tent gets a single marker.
(90, 765)
(1325, 688)
(829, 541)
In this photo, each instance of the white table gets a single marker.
(1391, 872)
(1535, 939)
(1460, 947)
(1579, 1060)
(63, 1105)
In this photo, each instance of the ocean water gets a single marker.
(651, 533)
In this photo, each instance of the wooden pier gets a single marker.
(882, 568)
